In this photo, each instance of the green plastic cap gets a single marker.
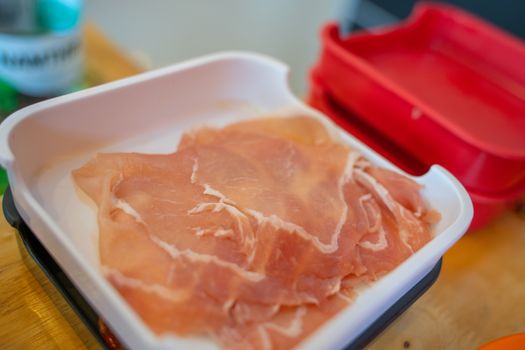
(59, 15)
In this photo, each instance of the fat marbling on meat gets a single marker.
(253, 234)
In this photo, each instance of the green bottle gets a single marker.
(40, 54)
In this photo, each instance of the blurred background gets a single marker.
(161, 32)
(158, 33)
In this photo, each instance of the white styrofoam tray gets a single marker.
(42, 143)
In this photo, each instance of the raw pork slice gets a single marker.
(254, 234)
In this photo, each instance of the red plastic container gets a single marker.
(441, 88)
(485, 207)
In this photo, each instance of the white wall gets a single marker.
(161, 32)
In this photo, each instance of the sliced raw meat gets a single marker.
(256, 231)
(286, 329)
(402, 189)
(297, 129)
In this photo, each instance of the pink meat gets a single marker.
(252, 232)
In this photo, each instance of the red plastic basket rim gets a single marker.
(509, 195)
(331, 31)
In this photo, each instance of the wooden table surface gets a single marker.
(34, 315)
(479, 296)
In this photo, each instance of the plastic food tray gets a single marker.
(33, 253)
(445, 87)
(41, 144)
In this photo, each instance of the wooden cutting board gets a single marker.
(479, 296)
